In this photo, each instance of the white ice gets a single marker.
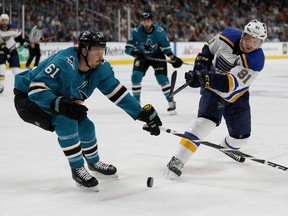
(35, 177)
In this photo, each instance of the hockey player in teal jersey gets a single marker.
(149, 40)
(225, 69)
(51, 95)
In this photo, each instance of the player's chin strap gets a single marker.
(85, 59)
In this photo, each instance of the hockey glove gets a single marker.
(177, 62)
(4, 49)
(138, 55)
(150, 116)
(68, 107)
(203, 77)
(26, 44)
(198, 78)
(191, 78)
(202, 62)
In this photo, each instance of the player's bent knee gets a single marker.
(202, 127)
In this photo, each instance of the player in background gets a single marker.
(9, 36)
(50, 96)
(149, 40)
(36, 34)
(225, 69)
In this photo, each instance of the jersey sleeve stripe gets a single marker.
(227, 41)
(129, 45)
(231, 82)
(36, 88)
(165, 48)
(117, 95)
(38, 85)
(244, 60)
(233, 97)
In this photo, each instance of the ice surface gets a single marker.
(35, 177)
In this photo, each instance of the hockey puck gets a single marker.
(150, 182)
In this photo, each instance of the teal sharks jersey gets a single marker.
(149, 43)
(58, 75)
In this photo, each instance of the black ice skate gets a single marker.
(84, 179)
(172, 107)
(174, 168)
(235, 157)
(103, 168)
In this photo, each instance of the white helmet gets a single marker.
(256, 29)
(4, 16)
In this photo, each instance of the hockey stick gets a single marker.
(169, 61)
(223, 149)
(43, 40)
(179, 89)
(173, 82)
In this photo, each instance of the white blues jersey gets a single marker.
(240, 68)
(8, 36)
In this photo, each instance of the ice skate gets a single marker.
(103, 169)
(84, 179)
(174, 168)
(172, 107)
(1, 89)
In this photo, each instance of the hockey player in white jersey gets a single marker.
(225, 69)
(9, 35)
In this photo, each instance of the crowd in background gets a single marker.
(183, 20)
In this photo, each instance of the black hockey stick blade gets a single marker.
(173, 82)
(179, 89)
(223, 149)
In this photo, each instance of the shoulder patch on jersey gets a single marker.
(70, 61)
(227, 41)
(160, 29)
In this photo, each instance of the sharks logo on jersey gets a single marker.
(151, 43)
(79, 88)
(149, 47)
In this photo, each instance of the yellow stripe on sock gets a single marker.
(188, 144)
